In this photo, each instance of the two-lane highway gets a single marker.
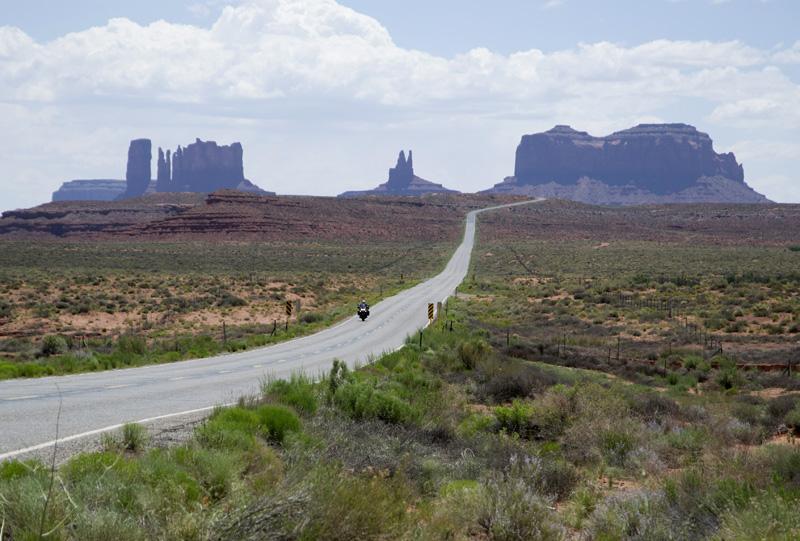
(99, 401)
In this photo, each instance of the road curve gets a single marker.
(95, 402)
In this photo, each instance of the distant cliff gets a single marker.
(402, 181)
(90, 190)
(651, 163)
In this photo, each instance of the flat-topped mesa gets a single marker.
(647, 163)
(90, 190)
(662, 158)
(402, 181)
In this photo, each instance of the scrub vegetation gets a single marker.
(76, 307)
(576, 388)
(461, 439)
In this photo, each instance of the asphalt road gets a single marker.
(96, 402)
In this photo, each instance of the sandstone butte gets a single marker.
(650, 163)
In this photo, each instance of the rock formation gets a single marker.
(204, 166)
(137, 174)
(651, 163)
(90, 190)
(200, 167)
(163, 172)
(402, 181)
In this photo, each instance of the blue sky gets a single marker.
(323, 94)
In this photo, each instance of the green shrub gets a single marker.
(53, 345)
(297, 392)
(766, 516)
(339, 374)
(474, 424)
(473, 352)
(131, 345)
(311, 317)
(363, 401)
(275, 422)
(345, 507)
(792, 419)
(615, 445)
(229, 428)
(515, 418)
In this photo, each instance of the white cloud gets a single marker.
(315, 65)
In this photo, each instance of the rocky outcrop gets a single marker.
(137, 174)
(402, 181)
(651, 163)
(204, 166)
(90, 190)
(164, 172)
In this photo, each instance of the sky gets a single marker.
(323, 94)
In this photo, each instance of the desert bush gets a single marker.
(728, 378)
(22, 504)
(229, 428)
(53, 345)
(473, 352)
(338, 375)
(345, 507)
(654, 406)
(275, 422)
(515, 419)
(237, 427)
(511, 382)
(549, 474)
(510, 509)
(311, 317)
(229, 300)
(779, 406)
(768, 516)
(361, 400)
(792, 419)
(638, 515)
(131, 345)
(554, 410)
(615, 444)
(297, 392)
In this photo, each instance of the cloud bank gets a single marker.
(317, 92)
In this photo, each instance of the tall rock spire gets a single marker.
(163, 176)
(138, 171)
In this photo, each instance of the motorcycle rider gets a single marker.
(363, 305)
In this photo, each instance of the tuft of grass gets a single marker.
(134, 437)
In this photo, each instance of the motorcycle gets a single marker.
(363, 312)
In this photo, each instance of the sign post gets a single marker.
(289, 309)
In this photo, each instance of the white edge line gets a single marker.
(12, 454)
